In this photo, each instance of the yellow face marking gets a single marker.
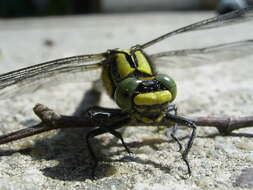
(146, 78)
(143, 119)
(147, 120)
(123, 66)
(153, 98)
(143, 65)
(159, 118)
(140, 109)
(149, 110)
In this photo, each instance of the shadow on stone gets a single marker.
(68, 147)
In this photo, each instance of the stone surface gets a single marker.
(60, 160)
(245, 179)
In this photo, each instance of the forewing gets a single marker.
(211, 54)
(234, 17)
(50, 73)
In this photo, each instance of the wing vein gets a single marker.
(234, 17)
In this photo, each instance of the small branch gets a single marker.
(39, 128)
(51, 120)
(225, 125)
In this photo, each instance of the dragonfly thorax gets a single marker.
(130, 80)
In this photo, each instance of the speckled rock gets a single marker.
(59, 159)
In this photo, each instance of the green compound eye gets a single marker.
(124, 92)
(169, 83)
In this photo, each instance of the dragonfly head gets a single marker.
(146, 99)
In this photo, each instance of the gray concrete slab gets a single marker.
(60, 160)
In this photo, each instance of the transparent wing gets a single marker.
(49, 73)
(211, 54)
(234, 17)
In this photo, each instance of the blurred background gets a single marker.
(17, 8)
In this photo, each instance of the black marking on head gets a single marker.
(150, 86)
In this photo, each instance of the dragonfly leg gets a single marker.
(109, 120)
(100, 131)
(173, 136)
(190, 124)
(119, 136)
(94, 157)
(107, 123)
(173, 108)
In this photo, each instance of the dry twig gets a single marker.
(50, 120)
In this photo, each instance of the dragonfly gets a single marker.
(143, 95)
